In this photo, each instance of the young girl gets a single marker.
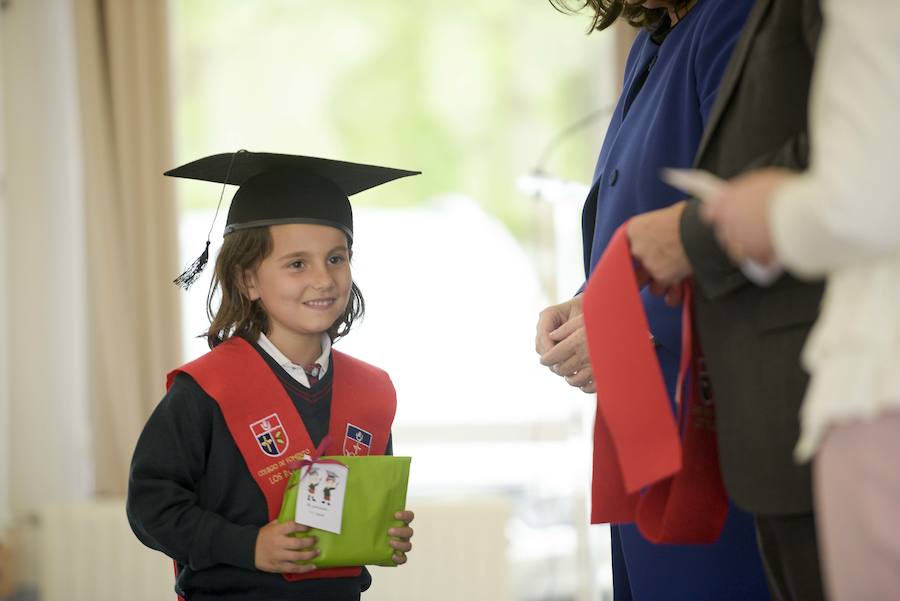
(207, 475)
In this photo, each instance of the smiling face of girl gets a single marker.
(303, 285)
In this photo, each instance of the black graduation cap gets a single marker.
(283, 188)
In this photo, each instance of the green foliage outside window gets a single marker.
(469, 92)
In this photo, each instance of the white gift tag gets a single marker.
(320, 496)
(704, 185)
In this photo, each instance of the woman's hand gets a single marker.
(277, 551)
(551, 319)
(562, 343)
(655, 241)
(569, 357)
(740, 215)
(400, 536)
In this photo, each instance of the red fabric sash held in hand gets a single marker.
(645, 470)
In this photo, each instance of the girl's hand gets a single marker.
(277, 551)
(400, 537)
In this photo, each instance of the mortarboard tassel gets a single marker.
(192, 272)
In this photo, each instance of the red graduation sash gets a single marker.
(270, 433)
(647, 468)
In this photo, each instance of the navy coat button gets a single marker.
(613, 177)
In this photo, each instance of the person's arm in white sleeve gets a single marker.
(846, 208)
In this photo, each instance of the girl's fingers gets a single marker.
(290, 527)
(402, 545)
(293, 556)
(405, 516)
(298, 544)
(399, 558)
(401, 532)
(288, 567)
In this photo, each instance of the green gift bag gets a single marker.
(375, 491)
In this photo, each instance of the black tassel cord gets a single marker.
(193, 271)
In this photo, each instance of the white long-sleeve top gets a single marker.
(841, 219)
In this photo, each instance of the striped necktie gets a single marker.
(312, 373)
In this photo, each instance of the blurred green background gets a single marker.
(469, 92)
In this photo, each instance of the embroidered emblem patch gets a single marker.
(357, 441)
(270, 435)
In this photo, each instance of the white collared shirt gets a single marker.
(296, 371)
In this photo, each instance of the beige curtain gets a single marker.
(134, 316)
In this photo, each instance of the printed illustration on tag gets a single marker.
(357, 441)
(270, 435)
(320, 499)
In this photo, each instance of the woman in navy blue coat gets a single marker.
(671, 79)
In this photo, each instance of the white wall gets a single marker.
(43, 414)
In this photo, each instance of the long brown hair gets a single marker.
(606, 12)
(236, 314)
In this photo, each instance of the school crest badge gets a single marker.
(357, 441)
(270, 435)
